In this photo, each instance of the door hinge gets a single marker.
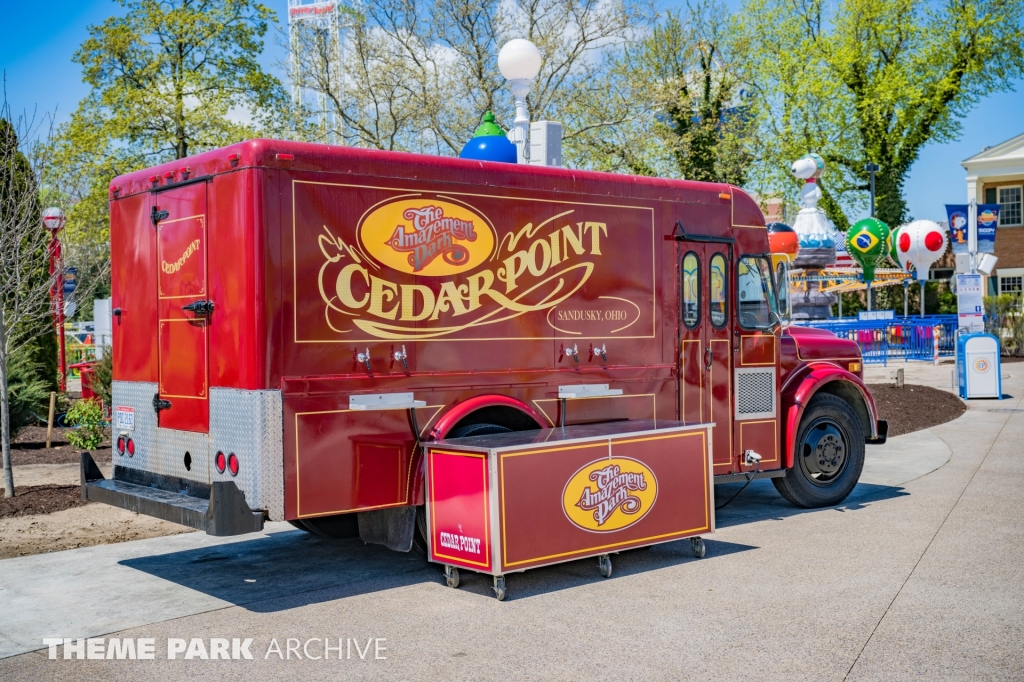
(199, 307)
(159, 404)
(156, 216)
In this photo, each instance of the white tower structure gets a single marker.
(324, 20)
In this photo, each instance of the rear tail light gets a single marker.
(220, 462)
(120, 445)
(131, 447)
(233, 464)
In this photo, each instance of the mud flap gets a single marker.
(393, 528)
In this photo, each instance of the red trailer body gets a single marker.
(263, 289)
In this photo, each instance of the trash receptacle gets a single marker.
(980, 370)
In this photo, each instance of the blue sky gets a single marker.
(36, 44)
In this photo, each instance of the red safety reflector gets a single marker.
(120, 445)
(285, 157)
(233, 464)
(131, 448)
(220, 462)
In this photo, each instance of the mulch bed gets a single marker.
(29, 447)
(41, 499)
(1011, 358)
(913, 407)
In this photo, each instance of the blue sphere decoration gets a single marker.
(490, 143)
(490, 148)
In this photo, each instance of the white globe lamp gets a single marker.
(53, 219)
(519, 62)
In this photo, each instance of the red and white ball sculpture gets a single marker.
(920, 244)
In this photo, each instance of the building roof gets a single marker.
(1011, 150)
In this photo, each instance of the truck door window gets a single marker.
(691, 290)
(782, 288)
(755, 294)
(719, 296)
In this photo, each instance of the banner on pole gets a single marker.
(988, 218)
(957, 215)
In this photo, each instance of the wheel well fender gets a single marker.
(491, 408)
(825, 378)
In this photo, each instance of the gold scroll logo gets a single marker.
(171, 268)
(374, 284)
(609, 494)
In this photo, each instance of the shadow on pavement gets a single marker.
(288, 569)
(539, 581)
(291, 569)
(761, 501)
(295, 565)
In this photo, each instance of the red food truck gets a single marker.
(504, 365)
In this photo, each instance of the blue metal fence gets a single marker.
(902, 338)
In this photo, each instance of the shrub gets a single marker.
(87, 416)
(27, 391)
(103, 374)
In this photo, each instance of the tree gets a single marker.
(25, 282)
(861, 81)
(170, 78)
(690, 92)
(418, 76)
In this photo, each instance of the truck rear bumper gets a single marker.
(224, 513)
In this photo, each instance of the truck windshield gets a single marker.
(755, 293)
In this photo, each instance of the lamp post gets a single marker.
(519, 62)
(53, 220)
(871, 168)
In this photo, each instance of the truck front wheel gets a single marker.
(829, 454)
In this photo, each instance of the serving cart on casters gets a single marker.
(503, 503)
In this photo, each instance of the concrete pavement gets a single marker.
(918, 575)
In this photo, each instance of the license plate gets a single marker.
(124, 418)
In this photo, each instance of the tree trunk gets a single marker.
(5, 413)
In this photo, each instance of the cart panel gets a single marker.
(458, 511)
(568, 501)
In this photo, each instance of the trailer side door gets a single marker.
(184, 308)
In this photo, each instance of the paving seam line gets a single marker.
(930, 541)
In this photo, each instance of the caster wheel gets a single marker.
(499, 587)
(697, 545)
(451, 576)
(604, 564)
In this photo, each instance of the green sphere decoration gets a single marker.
(867, 242)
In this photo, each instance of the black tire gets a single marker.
(300, 525)
(482, 429)
(338, 527)
(829, 454)
(419, 537)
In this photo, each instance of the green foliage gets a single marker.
(103, 376)
(87, 415)
(27, 390)
(863, 81)
(674, 100)
(169, 78)
(1004, 318)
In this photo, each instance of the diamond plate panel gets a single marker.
(249, 424)
(755, 393)
(159, 451)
